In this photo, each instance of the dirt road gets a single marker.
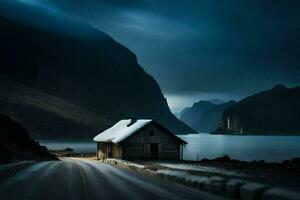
(84, 179)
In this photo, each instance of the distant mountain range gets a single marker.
(216, 101)
(74, 84)
(275, 111)
(204, 116)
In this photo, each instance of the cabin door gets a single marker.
(154, 151)
(109, 150)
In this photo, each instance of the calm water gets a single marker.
(79, 146)
(269, 148)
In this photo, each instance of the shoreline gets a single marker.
(291, 164)
(68, 152)
(285, 174)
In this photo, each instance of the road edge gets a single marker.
(232, 188)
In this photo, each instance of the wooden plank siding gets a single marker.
(169, 151)
(101, 150)
(137, 146)
(133, 151)
(117, 151)
(140, 145)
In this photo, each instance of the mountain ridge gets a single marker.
(204, 116)
(96, 74)
(274, 111)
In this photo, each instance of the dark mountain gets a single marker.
(216, 101)
(275, 111)
(183, 111)
(15, 143)
(211, 119)
(204, 116)
(64, 84)
(191, 115)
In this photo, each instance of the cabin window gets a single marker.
(151, 132)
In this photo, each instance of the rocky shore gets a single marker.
(285, 174)
(227, 162)
(69, 152)
(225, 186)
(16, 144)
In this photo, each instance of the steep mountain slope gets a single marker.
(47, 116)
(90, 71)
(211, 119)
(15, 143)
(204, 116)
(275, 111)
(192, 115)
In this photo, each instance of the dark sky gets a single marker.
(200, 49)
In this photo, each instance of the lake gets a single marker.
(247, 148)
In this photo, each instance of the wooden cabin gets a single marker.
(139, 140)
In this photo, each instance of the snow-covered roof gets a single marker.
(121, 130)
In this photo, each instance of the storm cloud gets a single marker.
(200, 49)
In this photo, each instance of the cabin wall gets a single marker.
(133, 151)
(139, 145)
(108, 150)
(117, 150)
(101, 150)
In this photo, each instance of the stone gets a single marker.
(252, 191)
(281, 194)
(191, 181)
(233, 187)
(215, 185)
(200, 182)
(218, 185)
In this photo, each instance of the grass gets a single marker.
(16, 93)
